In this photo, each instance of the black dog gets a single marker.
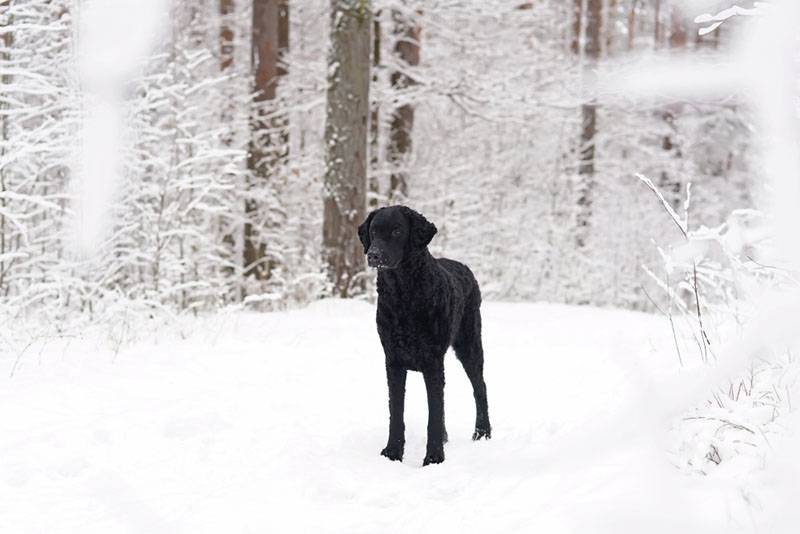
(424, 306)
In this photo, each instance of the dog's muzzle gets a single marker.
(375, 259)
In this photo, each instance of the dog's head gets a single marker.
(390, 235)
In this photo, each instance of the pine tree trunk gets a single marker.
(5, 79)
(374, 193)
(282, 122)
(657, 25)
(226, 9)
(610, 26)
(407, 35)
(283, 37)
(346, 143)
(264, 153)
(632, 24)
(231, 237)
(678, 36)
(577, 25)
(586, 167)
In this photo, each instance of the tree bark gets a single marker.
(407, 35)
(577, 25)
(282, 121)
(283, 37)
(610, 26)
(657, 25)
(226, 8)
(374, 119)
(632, 24)
(5, 79)
(678, 36)
(232, 237)
(586, 167)
(261, 155)
(347, 112)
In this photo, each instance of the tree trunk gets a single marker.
(283, 37)
(610, 26)
(632, 24)
(226, 9)
(407, 34)
(5, 79)
(270, 27)
(678, 36)
(577, 25)
(374, 193)
(282, 122)
(657, 25)
(231, 237)
(586, 168)
(346, 143)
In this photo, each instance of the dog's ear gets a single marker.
(363, 231)
(422, 230)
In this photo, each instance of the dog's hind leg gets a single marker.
(469, 351)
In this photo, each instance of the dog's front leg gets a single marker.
(434, 385)
(396, 377)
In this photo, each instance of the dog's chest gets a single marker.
(413, 333)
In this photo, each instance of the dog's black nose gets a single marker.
(373, 258)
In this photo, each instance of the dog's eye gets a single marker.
(396, 232)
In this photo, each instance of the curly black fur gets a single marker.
(425, 304)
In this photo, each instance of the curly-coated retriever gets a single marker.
(425, 304)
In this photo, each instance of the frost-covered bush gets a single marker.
(711, 281)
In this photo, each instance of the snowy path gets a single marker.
(273, 423)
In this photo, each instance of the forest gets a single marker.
(181, 183)
(207, 182)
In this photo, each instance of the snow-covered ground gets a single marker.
(273, 423)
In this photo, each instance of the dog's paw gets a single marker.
(433, 458)
(393, 453)
(482, 433)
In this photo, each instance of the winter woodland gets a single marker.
(167, 163)
(482, 116)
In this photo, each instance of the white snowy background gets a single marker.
(642, 382)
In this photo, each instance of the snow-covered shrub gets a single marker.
(709, 283)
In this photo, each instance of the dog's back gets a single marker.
(461, 278)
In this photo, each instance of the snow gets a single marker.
(244, 422)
